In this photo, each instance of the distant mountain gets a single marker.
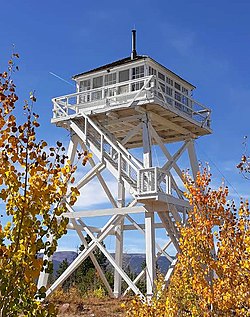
(135, 261)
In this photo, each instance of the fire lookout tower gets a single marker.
(131, 103)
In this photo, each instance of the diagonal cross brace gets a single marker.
(111, 259)
(110, 225)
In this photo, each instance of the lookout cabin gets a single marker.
(125, 88)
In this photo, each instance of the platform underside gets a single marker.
(171, 124)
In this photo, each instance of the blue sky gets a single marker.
(206, 42)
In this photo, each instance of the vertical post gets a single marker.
(193, 158)
(147, 154)
(43, 277)
(119, 241)
(150, 252)
(149, 216)
(168, 184)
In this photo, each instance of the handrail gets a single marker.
(100, 88)
(192, 108)
(118, 148)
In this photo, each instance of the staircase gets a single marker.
(124, 166)
(141, 182)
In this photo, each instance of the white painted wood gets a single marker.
(131, 134)
(147, 154)
(119, 242)
(105, 212)
(143, 272)
(43, 276)
(150, 253)
(168, 124)
(193, 159)
(84, 254)
(112, 261)
(112, 122)
(93, 258)
(100, 178)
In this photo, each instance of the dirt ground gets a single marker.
(92, 307)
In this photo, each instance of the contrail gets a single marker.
(53, 74)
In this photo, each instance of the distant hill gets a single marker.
(134, 261)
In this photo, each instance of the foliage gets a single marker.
(244, 165)
(33, 183)
(212, 275)
(157, 306)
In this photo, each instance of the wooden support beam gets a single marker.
(93, 258)
(105, 212)
(131, 134)
(168, 124)
(84, 254)
(193, 159)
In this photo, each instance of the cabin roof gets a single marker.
(128, 60)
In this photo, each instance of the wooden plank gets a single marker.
(169, 124)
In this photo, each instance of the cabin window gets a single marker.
(96, 95)
(169, 91)
(84, 85)
(185, 91)
(163, 87)
(177, 96)
(137, 72)
(169, 81)
(123, 89)
(137, 86)
(152, 71)
(177, 86)
(161, 76)
(97, 82)
(123, 75)
(110, 79)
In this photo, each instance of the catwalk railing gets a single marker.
(141, 90)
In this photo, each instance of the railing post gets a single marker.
(85, 127)
(102, 145)
(139, 181)
(156, 179)
(168, 184)
(119, 167)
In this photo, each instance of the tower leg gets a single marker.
(119, 242)
(193, 158)
(150, 253)
(149, 216)
(43, 276)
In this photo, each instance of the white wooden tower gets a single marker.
(131, 103)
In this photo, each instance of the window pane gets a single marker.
(110, 79)
(85, 85)
(161, 76)
(177, 86)
(137, 72)
(152, 71)
(123, 89)
(184, 90)
(169, 81)
(169, 91)
(97, 95)
(137, 86)
(177, 96)
(123, 75)
(97, 82)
